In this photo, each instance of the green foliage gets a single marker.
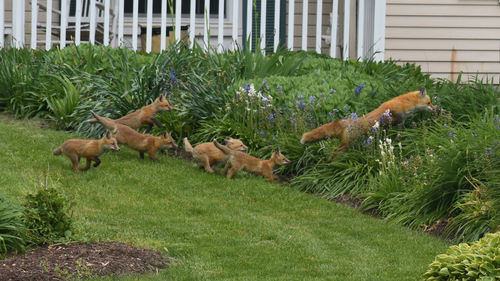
(11, 227)
(479, 260)
(63, 107)
(443, 169)
(47, 216)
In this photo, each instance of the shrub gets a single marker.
(11, 227)
(46, 216)
(479, 260)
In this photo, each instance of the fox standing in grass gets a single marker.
(240, 160)
(90, 149)
(143, 116)
(207, 154)
(390, 112)
(140, 142)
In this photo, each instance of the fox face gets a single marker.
(280, 159)
(235, 144)
(424, 102)
(110, 142)
(161, 104)
(167, 141)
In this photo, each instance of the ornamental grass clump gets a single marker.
(11, 227)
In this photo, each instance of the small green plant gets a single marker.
(11, 227)
(479, 260)
(47, 216)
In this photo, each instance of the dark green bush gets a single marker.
(47, 216)
(479, 260)
(11, 227)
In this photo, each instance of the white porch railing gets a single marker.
(109, 17)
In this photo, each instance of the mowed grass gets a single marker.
(213, 229)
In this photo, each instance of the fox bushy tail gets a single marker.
(187, 146)
(108, 123)
(223, 148)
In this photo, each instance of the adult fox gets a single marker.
(390, 112)
(240, 160)
(145, 115)
(90, 149)
(207, 154)
(140, 142)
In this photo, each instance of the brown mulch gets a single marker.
(80, 260)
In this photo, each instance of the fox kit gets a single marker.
(143, 143)
(240, 160)
(390, 112)
(144, 116)
(90, 149)
(207, 154)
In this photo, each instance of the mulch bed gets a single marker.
(80, 260)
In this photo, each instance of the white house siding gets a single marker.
(446, 37)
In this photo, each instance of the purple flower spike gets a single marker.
(312, 99)
(262, 133)
(358, 90)
(332, 91)
(172, 76)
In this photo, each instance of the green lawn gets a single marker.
(243, 229)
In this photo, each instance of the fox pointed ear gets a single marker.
(228, 140)
(277, 150)
(161, 97)
(108, 134)
(423, 91)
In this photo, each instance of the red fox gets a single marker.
(143, 143)
(390, 112)
(90, 149)
(145, 115)
(240, 160)
(207, 154)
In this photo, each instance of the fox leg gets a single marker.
(206, 164)
(232, 172)
(152, 155)
(156, 122)
(97, 161)
(269, 176)
(75, 160)
(226, 167)
(343, 145)
(150, 126)
(87, 164)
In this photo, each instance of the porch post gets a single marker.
(18, 23)
(379, 30)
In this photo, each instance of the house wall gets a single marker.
(446, 37)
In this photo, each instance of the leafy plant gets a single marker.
(479, 260)
(47, 216)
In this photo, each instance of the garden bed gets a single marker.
(81, 260)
